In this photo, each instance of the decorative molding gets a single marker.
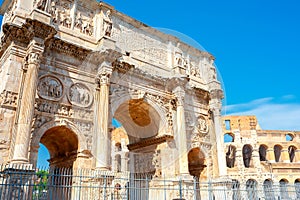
(67, 48)
(149, 142)
(122, 67)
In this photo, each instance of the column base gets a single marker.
(19, 161)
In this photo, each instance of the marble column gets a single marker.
(215, 106)
(181, 130)
(101, 121)
(26, 109)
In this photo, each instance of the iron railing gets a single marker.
(22, 182)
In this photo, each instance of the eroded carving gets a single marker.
(63, 110)
(201, 125)
(50, 87)
(80, 95)
(86, 129)
(8, 98)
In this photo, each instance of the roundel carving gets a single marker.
(201, 125)
(80, 95)
(50, 87)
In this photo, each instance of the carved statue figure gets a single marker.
(291, 151)
(107, 23)
(43, 5)
(230, 156)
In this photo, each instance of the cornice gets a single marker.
(67, 48)
(149, 142)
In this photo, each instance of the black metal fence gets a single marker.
(23, 182)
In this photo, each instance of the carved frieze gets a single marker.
(50, 87)
(39, 120)
(8, 98)
(54, 108)
(86, 129)
(80, 95)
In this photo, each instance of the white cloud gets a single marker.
(271, 114)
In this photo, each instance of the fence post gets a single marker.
(165, 192)
(104, 188)
(195, 188)
(180, 188)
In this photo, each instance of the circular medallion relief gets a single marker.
(201, 125)
(50, 87)
(80, 95)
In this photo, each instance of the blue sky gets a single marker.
(256, 45)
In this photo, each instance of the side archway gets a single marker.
(63, 141)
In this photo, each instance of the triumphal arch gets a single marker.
(69, 67)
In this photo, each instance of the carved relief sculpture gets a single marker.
(8, 98)
(80, 95)
(50, 88)
(201, 126)
(107, 23)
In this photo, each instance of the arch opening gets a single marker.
(139, 119)
(284, 193)
(263, 152)
(196, 159)
(62, 144)
(251, 188)
(247, 155)
(277, 152)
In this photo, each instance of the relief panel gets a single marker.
(80, 95)
(50, 87)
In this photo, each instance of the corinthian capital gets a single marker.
(33, 58)
(103, 78)
(179, 94)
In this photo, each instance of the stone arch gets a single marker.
(247, 155)
(283, 188)
(268, 189)
(263, 152)
(196, 161)
(251, 188)
(153, 121)
(277, 152)
(297, 187)
(66, 124)
(126, 97)
(228, 137)
(289, 137)
(292, 151)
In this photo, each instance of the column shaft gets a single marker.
(181, 131)
(101, 124)
(26, 111)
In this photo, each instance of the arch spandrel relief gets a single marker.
(80, 95)
(50, 88)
